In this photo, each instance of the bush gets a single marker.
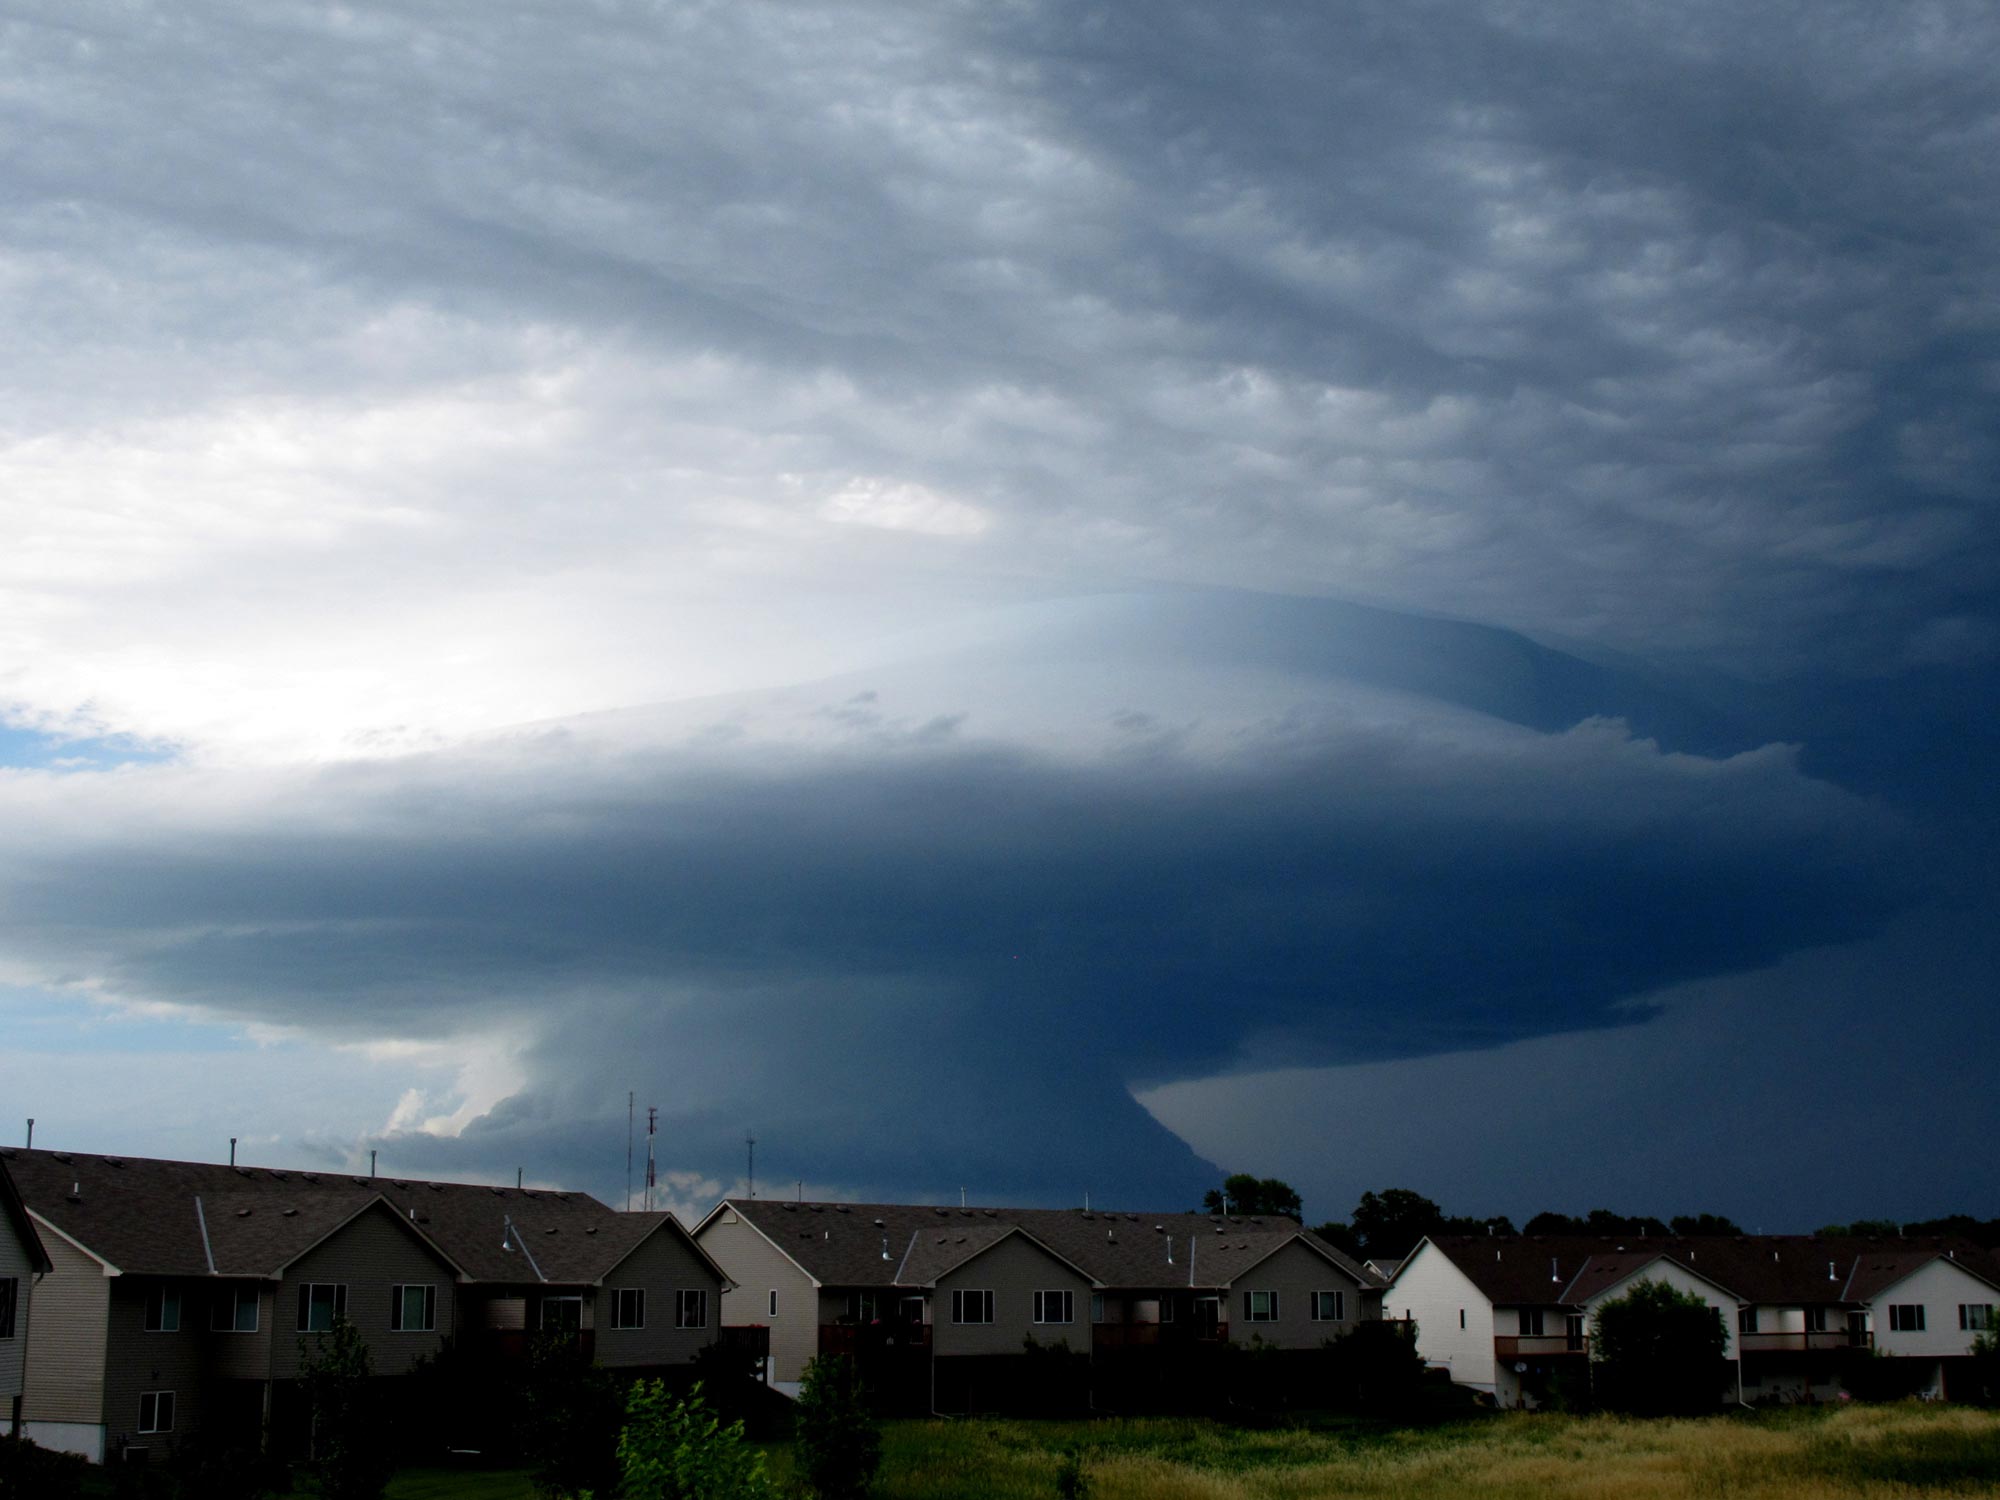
(349, 1459)
(574, 1412)
(29, 1471)
(838, 1444)
(1658, 1352)
(677, 1449)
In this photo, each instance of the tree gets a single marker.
(1703, 1224)
(570, 1427)
(349, 1456)
(678, 1449)
(1598, 1221)
(1340, 1234)
(1392, 1221)
(1245, 1196)
(1657, 1351)
(838, 1444)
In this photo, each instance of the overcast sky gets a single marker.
(1009, 597)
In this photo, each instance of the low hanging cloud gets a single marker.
(906, 945)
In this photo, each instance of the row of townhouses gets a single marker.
(1512, 1315)
(141, 1299)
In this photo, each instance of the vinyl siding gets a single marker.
(1680, 1280)
(1013, 1270)
(370, 1255)
(661, 1266)
(1294, 1273)
(234, 1356)
(137, 1361)
(1938, 1288)
(65, 1363)
(758, 1269)
(1433, 1291)
(14, 1262)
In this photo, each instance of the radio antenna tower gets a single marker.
(750, 1142)
(652, 1125)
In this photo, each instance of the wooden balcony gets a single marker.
(864, 1340)
(1797, 1341)
(1538, 1346)
(1111, 1337)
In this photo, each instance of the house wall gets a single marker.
(1938, 1288)
(1434, 1291)
(371, 1254)
(661, 1266)
(1014, 1269)
(15, 1263)
(136, 1361)
(758, 1269)
(1294, 1273)
(235, 1356)
(63, 1397)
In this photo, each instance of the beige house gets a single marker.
(23, 1261)
(183, 1289)
(949, 1284)
(1511, 1315)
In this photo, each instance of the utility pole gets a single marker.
(630, 1097)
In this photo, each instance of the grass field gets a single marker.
(1869, 1453)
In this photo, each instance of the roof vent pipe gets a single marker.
(517, 1177)
(31, 1132)
(1554, 1275)
(1829, 1272)
(371, 1163)
(232, 1151)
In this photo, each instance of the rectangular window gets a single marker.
(413, 1309)
(234, 1310)
(628, 1307)
(321, 1305)
(972, 1307)
(1531, 1323)
(1053, 1307)
(1746, 1320)
(1461, 1317)
(163, 1309)
(1329, 1307)
(156, 1411)
(1815, 1320)
(1260, 1307)
(913, 1310)
(772, 1311)
(1166, 1309)
(1906, 1317)
(1573, 1331)
(1975, 1317)
(864, 1307)
(10, 1288)
(691, 1308)
(562, 1314)
(1097, 1307)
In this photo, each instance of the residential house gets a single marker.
(1511, 1315)
(947, 1285)
(23, 1261)
(184, 1289)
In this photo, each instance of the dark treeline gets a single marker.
(1388, 1225)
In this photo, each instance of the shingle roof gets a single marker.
(17, 1215)
(901, 1244)
(139, 1214)
(1764, 1269)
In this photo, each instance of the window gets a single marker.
(1329, 1307)
(234, 1310)
(1573, 1331)
(1975, 1317)
(1260, 1307)
(972, 1307)
(10, 1288)
(156, 1411)
(864, 1307)
(628, 1307)
(562, 1314)
(772, 1311)
(691, 1308)
(1906, 1317)
(321, 1305)
(1815, 1320)
(163, 1309)
(1053, 1307)
(913, 1310)
(1461, 1317)
(413, 1309)
(1166, 1309)
(1097, 1307)
(1746, 1320)
(1531, 1323)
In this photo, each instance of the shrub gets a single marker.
(573, 1414)
(29, 1471)
(1657, 1351)
(839, 1446)
(349, 1459)
(677, 1449)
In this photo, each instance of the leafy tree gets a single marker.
(349, 1458)
(838, 1444)
(1246, 1195)
(677, 1449)
(1703, 1224)
(1862, 1229)
(1391, 1222)
(573, 1413)
(1340, 1234)
(1986, 1367)
(1598, 1221)
(1657, 1351)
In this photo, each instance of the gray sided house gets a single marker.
(183, 1290)
(23, 1262)
(942, 1285)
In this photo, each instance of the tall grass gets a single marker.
(1902, 1451)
